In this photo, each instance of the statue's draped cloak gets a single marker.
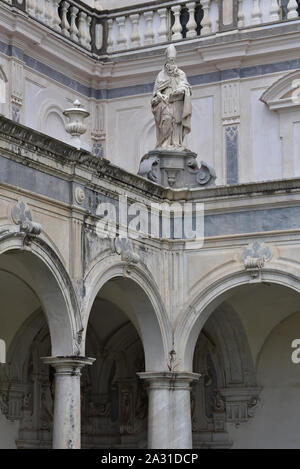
(169, 115)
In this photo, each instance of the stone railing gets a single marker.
(159, 23)
(153, 23)
(72, 19)
(167, 21)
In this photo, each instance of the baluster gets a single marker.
(149, 34)
(256, 14)
(206, 23)
(135, 37)
(88, 42)
(274, 11)
(177, 28)
(191, 25)
(81, 28)
(74, 33)
(84, 35)
(48, 13)
(121, 40)
(39, 10)
(64, 21)
(110, 40)
(241, 16)
(292, 9)
(55, 16)
(163, 28)
(31, 7)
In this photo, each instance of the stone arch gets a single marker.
(210, 297)
(223, 359)
(229, 348)
(148, 312)
(51, 120)
(30, 404)
(280, 94)
(43, 272)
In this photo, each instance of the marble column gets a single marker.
(67, 406)
(169, 419)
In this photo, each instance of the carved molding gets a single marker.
(231, 101)
(239, 403)
(27, 140)
(283, 93)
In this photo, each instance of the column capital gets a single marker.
(68, 365)
(169, 379)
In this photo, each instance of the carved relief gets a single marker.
(17, 84)
(22, 216)
(124, 247)
(255, 257)
(230, 100)
(98, 133)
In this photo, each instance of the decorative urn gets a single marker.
(76, 126)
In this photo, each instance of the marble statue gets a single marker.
(171, 104)
(170, 164)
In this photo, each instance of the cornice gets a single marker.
(25, 140)
(52, 156)
(211, 53)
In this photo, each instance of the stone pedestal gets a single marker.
(67, 406)
(176, 169)
(169, 419)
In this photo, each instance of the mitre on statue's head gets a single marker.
(171, 52)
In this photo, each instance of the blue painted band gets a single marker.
(206, 78)
(232, 223)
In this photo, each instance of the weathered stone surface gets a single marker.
(176, 169)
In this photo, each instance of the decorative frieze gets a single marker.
(98, 133)
(231, 141)
(231, 121)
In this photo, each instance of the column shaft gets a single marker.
(169, 421)
(67, 405)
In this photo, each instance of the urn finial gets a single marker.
(76, 126)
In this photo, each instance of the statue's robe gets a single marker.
(172, 116)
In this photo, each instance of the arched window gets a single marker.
(2, 351)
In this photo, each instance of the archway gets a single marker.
(248, 394)
(115, 407)
(141, 303)
(40, 269)
(38, 318)
(128, 333)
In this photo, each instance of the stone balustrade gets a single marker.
(153, 23)
(72, 19)
(160, 23)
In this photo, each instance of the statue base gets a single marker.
(176, 169)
